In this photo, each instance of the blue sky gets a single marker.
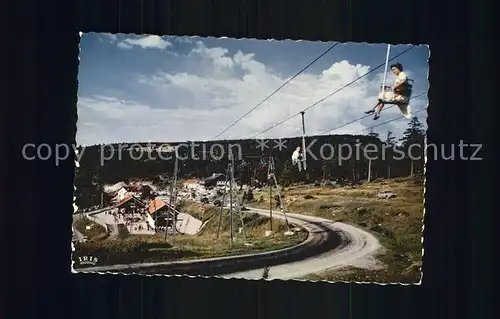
(167, 89)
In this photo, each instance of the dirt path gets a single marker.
(358, 251)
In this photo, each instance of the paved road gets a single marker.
(329, 245)
(78, 236)
(93, 212)
(356, 249)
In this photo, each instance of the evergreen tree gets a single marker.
(121, 167)
(287, 174)
(412, 142)
(390, 139)
(390, 142)
(414, 133)
(373, 134)
(324, 168)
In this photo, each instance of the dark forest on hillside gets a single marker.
(390, 158)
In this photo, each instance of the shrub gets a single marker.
(96, 231)
(326, 206)
(123, 231)
(362, 211)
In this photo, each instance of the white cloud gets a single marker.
(225, 87)
(217, 56)
(124, 45)
(145, 42)
(185, 39)
(107, 37)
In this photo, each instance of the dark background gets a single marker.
(39, 57)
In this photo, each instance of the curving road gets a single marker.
(329, 245)
(357, 248)
(77, 236)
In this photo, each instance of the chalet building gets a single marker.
(221, 183)
(142, 190)
(159, 211)
(212, 180)
(120, 195)
(112, 189)
(189, 182)
(130, 204)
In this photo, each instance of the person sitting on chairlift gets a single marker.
(399, 95)
(296, 158)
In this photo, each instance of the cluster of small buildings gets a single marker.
(121, 190)
(144, 207)
(139, 202)
(154, 212)
(209, 190)
(217, 179)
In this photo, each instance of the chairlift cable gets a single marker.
(388, 121)
(333, 93)
(278, 89)
(363, 117)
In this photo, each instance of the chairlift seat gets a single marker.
(407, 92)
(394, 103)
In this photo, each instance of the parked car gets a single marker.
(204, 200)
(386, 195)
(242, 208)
(217, 202)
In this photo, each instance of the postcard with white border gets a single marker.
(250, 159)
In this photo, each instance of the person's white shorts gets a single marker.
(391, 97)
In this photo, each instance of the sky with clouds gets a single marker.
(174, 89)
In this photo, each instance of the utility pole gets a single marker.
(304, 164)
(411, 168)
(102, 200)
(355, 175)
(369, 170)
(271, 206)
(231, 203)
(237, 202)
(323, 182)
(254, 177)
(172, 200)
(230, 179)
(281, 206)
(222, 203)
(389, 171)
(369, 160)
(270, 170)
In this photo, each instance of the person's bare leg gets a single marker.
(374, 108)
(379, 109)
